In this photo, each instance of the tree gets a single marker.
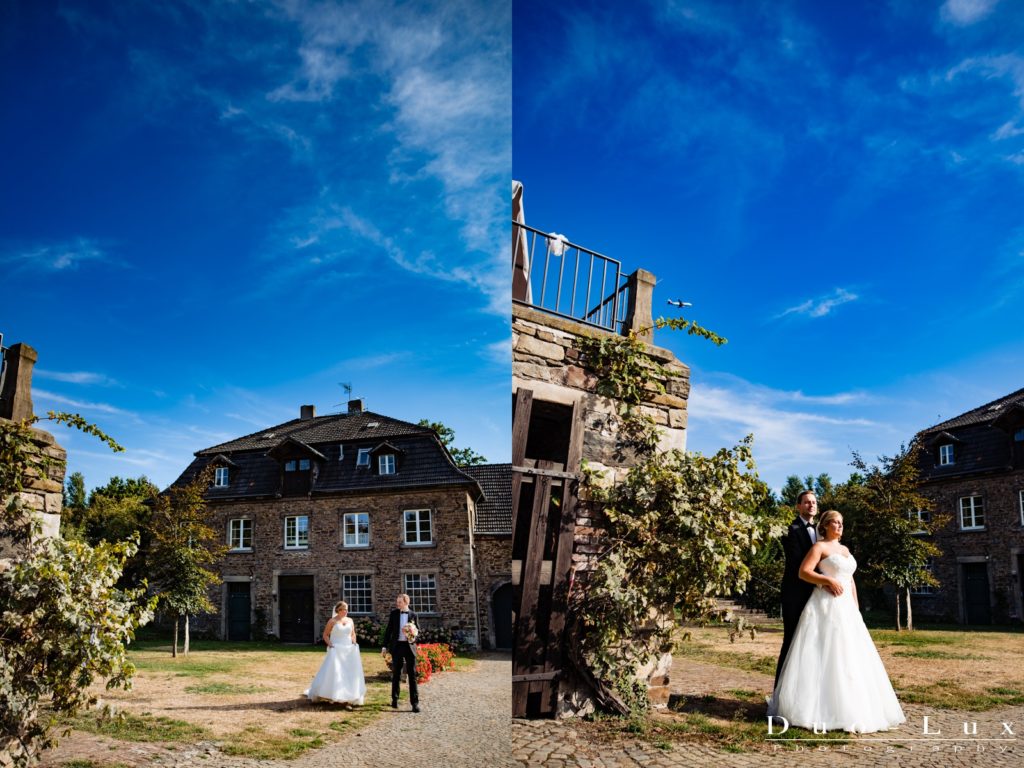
(885, 529)
(822, 486)
(463, 457)
(74, 492)
(63, 621)
(183, 545)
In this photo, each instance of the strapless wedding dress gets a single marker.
(833, 677)
(340, 678)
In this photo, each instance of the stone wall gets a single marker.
(326, 559)
(493, 570)
(546, 360)
(999, 544)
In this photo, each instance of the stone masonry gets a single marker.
(546, 360)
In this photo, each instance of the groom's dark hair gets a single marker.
(800, 496)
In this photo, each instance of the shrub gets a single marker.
(441, 656)
(423, 669)
(369, 630)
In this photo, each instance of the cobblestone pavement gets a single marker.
(464, 723)
(574, 744)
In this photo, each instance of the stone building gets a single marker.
(492, 537)
(355, 506)
(563, 292)
(973, 472)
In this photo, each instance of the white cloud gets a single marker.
(966, 12)
(821, 306)
(57, 257)
(77, 377)
(794, 433)
(43, 394)
(499, 352)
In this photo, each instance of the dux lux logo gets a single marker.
(927, 728)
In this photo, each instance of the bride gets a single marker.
(833, 678)
(340, 678)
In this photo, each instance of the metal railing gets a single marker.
(570, 281)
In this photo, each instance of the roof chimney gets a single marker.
(356, 406)
(307, 412)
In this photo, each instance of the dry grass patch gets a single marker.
(947, 668)
(247, 697)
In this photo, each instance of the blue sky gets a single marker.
(214, 212)
(835, 186)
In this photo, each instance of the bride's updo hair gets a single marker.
(824, 520)
(339, 606)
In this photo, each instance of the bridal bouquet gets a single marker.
(410, 632)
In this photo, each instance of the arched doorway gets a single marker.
(501, 613)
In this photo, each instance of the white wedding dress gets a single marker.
(833, 678)
(340, 678)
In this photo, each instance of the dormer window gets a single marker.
(363, 458)
(1018, 436)
(386, 464)
(289, 466)
(945, 454)
(220, 477)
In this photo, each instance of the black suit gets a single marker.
(795, 592)
(401, 652)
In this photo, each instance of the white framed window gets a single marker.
(422, 591)
(386, 464)
(1020, 495)
(945, 454)
(925, 589)
(296, 532)
(972, 513)
(357, 591)
(289, 466)
(356, 527)
(240, 534)
(220, 477)
(363, 457)
(418, 527)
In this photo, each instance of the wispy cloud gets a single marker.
(57, 257)
(499, 352)
(794, 433)
(821, 306)
(85, 405)
(78, 377)
(966, 12)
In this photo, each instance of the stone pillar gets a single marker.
(641, 299)
(16, 397)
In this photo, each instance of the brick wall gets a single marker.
(998, 545)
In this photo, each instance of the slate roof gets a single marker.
(424, 461)
(982, 414)
(323, 429)
(494, 511)
(980, 441)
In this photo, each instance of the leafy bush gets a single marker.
(64, 621)
(369, 630)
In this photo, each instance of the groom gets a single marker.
(402, 650)
(797, 542)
